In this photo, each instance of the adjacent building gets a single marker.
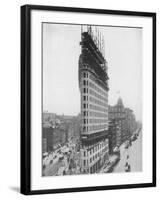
(59, 129)
(123, 119)
(93, 84)
(53, 136)
(47, 138)
(130, 122)
(117, 113)
(114, 134)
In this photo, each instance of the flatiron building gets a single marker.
(93, 84)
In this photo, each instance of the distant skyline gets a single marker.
(61, 50)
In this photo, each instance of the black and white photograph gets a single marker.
(79, 100)
(88, 99)
(92, 99)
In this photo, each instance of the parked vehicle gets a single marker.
(130, 142)
(116, 149)
(45, 155)
(51, 161)
(126, 145)
(134, 137)
(61, 157)
(127, 167)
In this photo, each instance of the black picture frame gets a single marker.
(26, 98)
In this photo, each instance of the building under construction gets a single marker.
(93, 84)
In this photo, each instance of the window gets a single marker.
(84, 82)
(85, 75)
(85, 90)
(84, 105)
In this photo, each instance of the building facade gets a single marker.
(93, 84)
(47, 139)
(117, 113)
(130, 122)
(51, 137)
(125, 119)
(114, 135)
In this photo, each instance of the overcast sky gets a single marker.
(61, 50)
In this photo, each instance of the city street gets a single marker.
(64, 160)
(135, 156)
(132, 155)
(52, 169)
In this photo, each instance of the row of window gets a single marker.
(116, 115)
(92, 159)
(92, 78)
(94, 127)
(97, 114)
(95, 149)
(116, 109)
(92, 99)
(86, 89)
(92, 85)
(94, 114)
(93, 107)
(97, 127)
(87, 162)
(94, 121)
(97, 95)
(85, 98)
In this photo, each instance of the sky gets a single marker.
(61, 50)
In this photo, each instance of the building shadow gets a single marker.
(15, 189)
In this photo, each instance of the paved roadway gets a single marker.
(135, 156)
(53, 168)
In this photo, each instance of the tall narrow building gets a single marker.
(93, 84)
